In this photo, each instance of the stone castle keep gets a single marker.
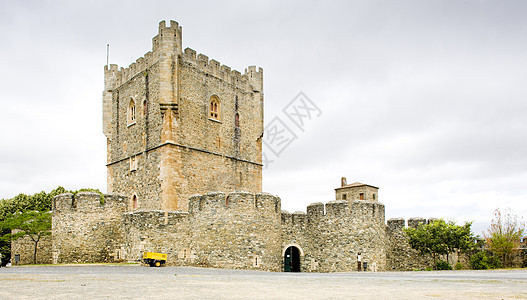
(184, 136)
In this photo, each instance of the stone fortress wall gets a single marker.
(399, 254)
(332, 235)
(238, 230)
(25, 248)
(86, 227)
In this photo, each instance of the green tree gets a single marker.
(31, 223)
(504, 234)
(440, 238)
(22, 203)
(459, 237)
(38, 202)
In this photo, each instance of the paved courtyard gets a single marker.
(139, 282)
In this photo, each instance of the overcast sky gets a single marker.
(424, 99)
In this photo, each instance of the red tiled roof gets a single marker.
(355, 184)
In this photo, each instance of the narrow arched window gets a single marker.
(135, 202)
(215, 108)
(131, 112)
(237, 120)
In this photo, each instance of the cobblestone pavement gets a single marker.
(140, 282)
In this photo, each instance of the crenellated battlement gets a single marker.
(154, 218)
(252, 77)
(173, 30)
(298, 218)
(241, 201)
(358, 209)
(168, 43)
(399, 223)
(115, 76)
(87, 201)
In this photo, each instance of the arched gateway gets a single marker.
(292, 255)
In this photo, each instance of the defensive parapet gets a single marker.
(248, 203)
(355, 209)
(331, 235)
(87, 202)
(236, 230)
(395, 223)
(414, 222)
(155, 231)
(167, 42)
(399, 253)
(90, 220)
(399, 223)
(252, 76)
(144, 219)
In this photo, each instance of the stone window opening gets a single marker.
(256, 261)
(361, 196)
(373, 196)
(131, 112)
(227, 201)
(135, 202)
(237, 120)
(343, 196)
(133, 163)
(145, 108)
(215, 108)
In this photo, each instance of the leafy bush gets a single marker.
(459, 266)
(443, 265)
(495, 262)
(481, 261)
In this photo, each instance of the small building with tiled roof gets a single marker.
(356, 191)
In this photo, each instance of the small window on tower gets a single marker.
(237, 120)
(215, 108)
(361, 196)
(131, 112)
(133, 163)
(135, 202)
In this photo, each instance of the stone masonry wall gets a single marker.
(25, 247)
(400, 256)
(86, 230)
(137, 140)
(332, 237)
(237, 230)
(157, 231)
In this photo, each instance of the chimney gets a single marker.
(343, 181)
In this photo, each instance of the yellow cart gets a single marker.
(154, 259)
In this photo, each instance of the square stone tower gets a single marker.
(178, 124)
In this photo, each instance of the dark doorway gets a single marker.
(292, 259)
